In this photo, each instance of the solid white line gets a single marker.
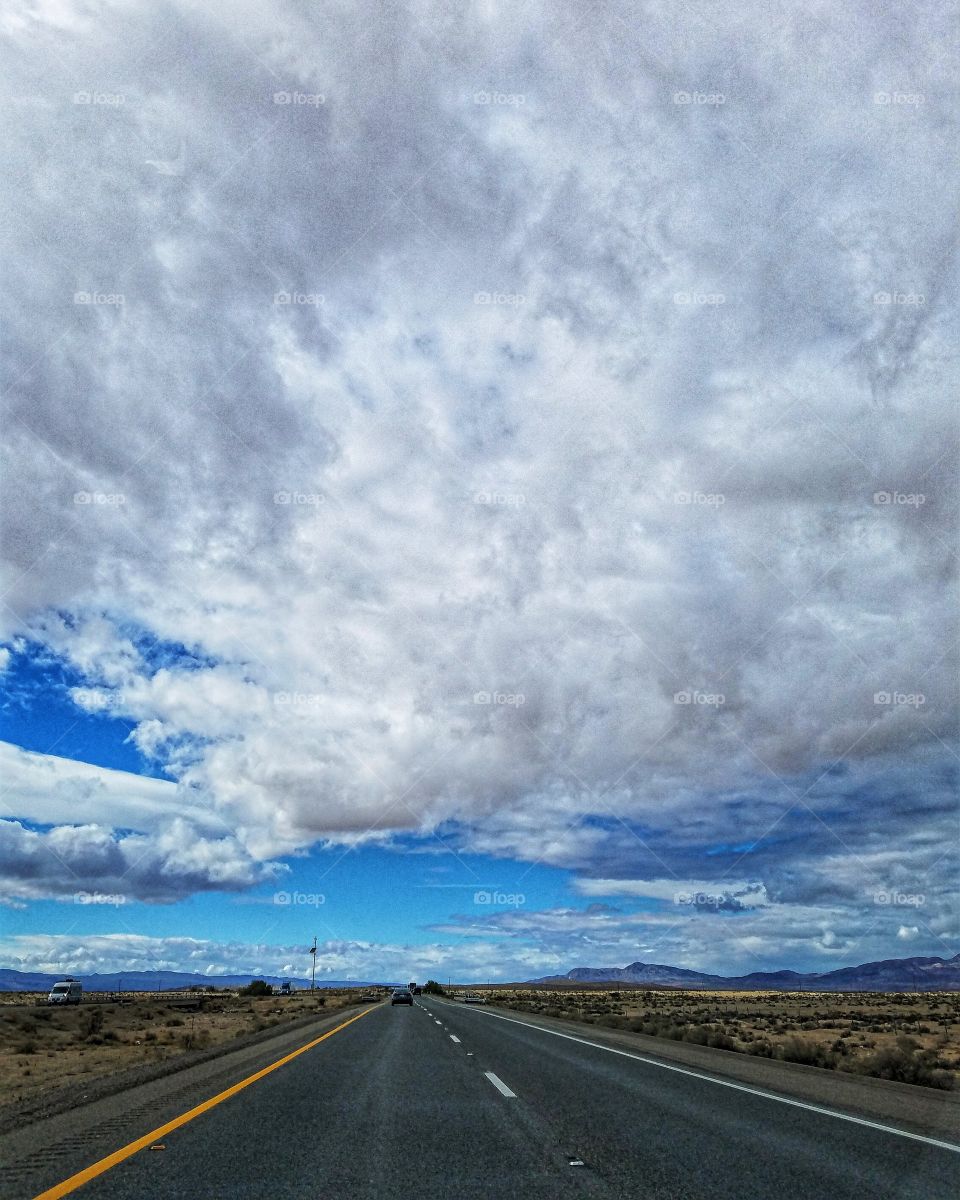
(454, 1038)
(739, 1087)
(500, 1086)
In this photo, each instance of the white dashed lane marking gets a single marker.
(500, 1085)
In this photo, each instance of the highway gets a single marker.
(445, 1100)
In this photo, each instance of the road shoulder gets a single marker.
(96, 1126)
(925, 1111)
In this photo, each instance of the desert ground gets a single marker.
(911, 1037)
(44, 1047)
(914, 1038)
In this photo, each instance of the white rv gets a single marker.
(67, 992)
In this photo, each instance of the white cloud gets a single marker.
(697, 893)
(111, 832)
(58, 953)
(54, 790)
(510, 944)
(680, 544)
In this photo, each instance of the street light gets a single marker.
(313, 965)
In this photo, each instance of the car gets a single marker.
(369, 997)
(69, 991)
(401, 996)
(474, 998)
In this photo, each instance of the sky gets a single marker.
(479, 486)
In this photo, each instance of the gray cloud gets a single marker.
(80, 861)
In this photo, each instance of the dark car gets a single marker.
(401, 996)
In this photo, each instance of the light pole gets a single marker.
(313, 965)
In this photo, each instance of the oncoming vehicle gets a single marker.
(401, 996)
(67, 992)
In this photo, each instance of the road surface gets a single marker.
(445, 1100)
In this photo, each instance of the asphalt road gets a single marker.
(441, 1100)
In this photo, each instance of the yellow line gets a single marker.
(118, 1156)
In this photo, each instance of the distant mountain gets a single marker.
(640, 973)
(152, 981)
(890, 975)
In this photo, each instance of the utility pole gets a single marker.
(313, 965)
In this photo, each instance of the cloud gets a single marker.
(80, 861)
(542, 466)
(720, 939)
(112, 832)
(336, 959)
(56, 790)
(700, 894)
(510, 944)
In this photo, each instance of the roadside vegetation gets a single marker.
(44, 1047)
(912, 1038)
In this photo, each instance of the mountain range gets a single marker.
(888, 975)
(155, 981)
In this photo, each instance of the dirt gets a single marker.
(913, 1038)
(46, 1049)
